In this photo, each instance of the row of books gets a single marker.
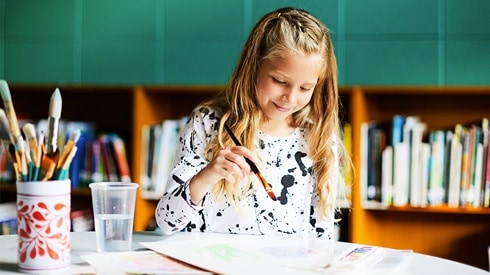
(403, 163)
(100, 157)
(159, 143)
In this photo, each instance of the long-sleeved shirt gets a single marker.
(286, 166)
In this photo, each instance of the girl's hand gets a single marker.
(227, 164)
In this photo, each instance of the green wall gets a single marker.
(386, 42)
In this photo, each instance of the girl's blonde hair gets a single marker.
(285, 31)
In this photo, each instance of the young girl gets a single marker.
(282, 105)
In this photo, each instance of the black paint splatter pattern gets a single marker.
(287, 168)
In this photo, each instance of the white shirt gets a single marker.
(286, 167)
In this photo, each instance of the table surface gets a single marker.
(83, 243)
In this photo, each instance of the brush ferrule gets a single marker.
(52, 136)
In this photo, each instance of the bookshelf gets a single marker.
(459, 234)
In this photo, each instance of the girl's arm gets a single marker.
(176, 209)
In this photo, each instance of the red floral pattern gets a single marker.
(43, 230)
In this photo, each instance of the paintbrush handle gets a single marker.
(233, 137)
(237, 143)
(254, 168)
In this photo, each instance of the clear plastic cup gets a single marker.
(113, 205)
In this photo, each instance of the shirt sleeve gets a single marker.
(322, 227)
(175, 209)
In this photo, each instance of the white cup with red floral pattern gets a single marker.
(43, 226)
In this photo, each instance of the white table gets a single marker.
(83, 243)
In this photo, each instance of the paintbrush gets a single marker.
(10, 111)
(39, 156)
(70, 145)
(62, 172)
(53, 121)
(48, 167)
(254, 168)
(30, 134)
(5, 135)
(21, 156)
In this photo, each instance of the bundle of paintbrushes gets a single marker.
(38, 159)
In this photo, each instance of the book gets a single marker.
(486, 187)
(485, 163)
(376, 145)
(387, 176)
(470, 141)
(366, 128)
(97, 167)
(78, 165)
(121, 160)
(165, 142)
(144, 174)
(405, 156)
(108, 158)
(424, 174)
(364, 160)
(447, 162)
(347, 139)
(86, 173)
(82, 220)
(401, 174)
(397, 129)
(477, 180)
(436, 184)
(150, 134)
(455, 167)
(416, 134)
(8, 218)
(6, 166)
(475, 132)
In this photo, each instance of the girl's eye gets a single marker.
(278, 81)
(305, 89)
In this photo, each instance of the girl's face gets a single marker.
(285, 85)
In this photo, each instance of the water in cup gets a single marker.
(114, 232)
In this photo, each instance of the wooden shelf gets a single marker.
(433, 209)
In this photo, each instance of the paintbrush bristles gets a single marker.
(4, 91)
(4, 128)
(75, 135)
(55, 104)
(9, 110)
(69, 147)
(30, 132)
(53, 121)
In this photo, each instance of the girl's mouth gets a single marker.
(281, 109)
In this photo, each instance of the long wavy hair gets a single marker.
(285, 31)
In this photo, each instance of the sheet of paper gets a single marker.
(138, 262)
(247, 254)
